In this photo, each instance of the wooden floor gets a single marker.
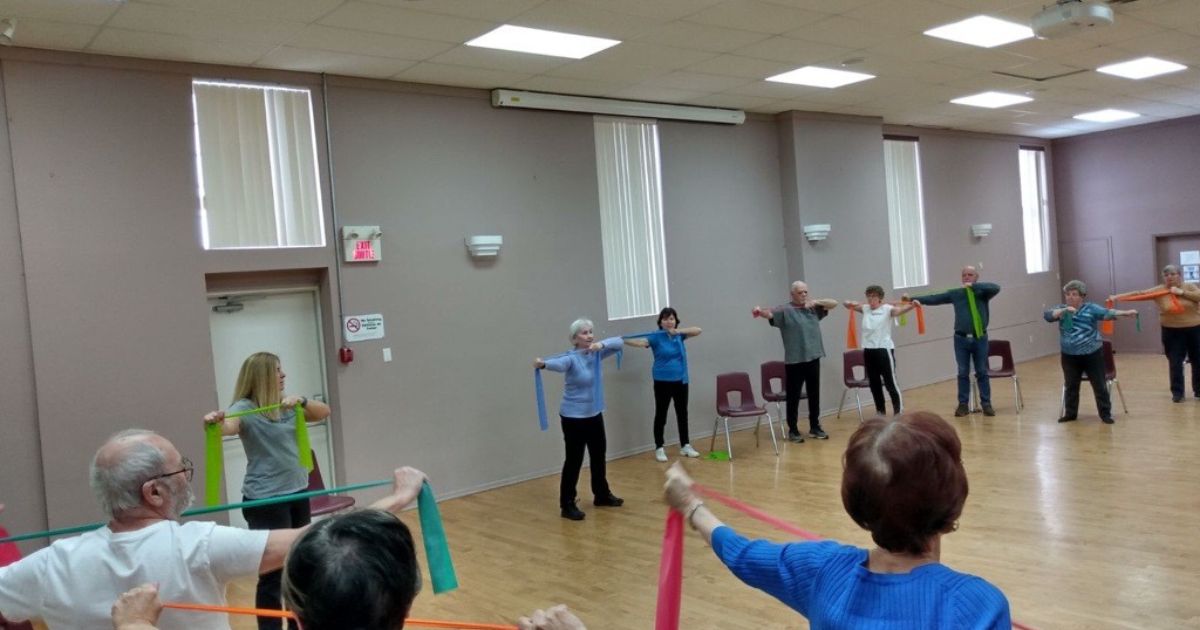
(1082, 525)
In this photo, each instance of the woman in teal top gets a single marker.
(272, 459)
(670, 374)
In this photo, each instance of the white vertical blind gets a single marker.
(906, 213)
(258, 167)
(635, 263)
(1035, 209)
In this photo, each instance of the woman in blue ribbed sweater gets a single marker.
(582, 413)
(904, 482)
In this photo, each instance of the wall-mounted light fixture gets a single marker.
(484, 246)
(817, 231)
(980, 230)
(8, 28)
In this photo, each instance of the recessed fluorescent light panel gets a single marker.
(539, 42)
(991, 100)
(1142, 68)
(982, 31)
(1107, 115)
(820, 77)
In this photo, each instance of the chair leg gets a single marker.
(771, 428)
(1017, 393)
(779, 417)
(757, 423)
(716, 425)
(842, 402)
(728, 442)
(1119, 393)
(1062, 405)
(858, 399)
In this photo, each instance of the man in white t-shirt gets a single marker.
(141, 482)
(879, 351)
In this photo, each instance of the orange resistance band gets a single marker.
(287, 614)
(1108, 328)
(852, 333)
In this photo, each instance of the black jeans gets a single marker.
(1073, 367)
(278, 516)
(803, 376)
(1179, 343)
(880, 364)
(664, 393)
(578, 434)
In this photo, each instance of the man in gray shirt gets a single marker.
(799, 325)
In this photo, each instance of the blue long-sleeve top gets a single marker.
(578, 378)
(670, 358)
(1083, 335)
(984, 292)
(829, 583)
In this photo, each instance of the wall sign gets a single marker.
(362, 327)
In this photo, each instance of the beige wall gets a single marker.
(104, 181)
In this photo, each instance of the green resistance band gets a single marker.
(214, 464)
(437, 550)
(975, 319)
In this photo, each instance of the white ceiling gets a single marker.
(701, 52)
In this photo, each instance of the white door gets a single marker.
(288, 324)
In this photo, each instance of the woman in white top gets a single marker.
(879, 352)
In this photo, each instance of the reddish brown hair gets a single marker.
(903, 480)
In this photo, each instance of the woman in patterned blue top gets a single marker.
(670, 378)
(1082, 348)
(904, 482)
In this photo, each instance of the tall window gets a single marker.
(1035, 209)
(906, 213)
(631, 225)
(257, 165)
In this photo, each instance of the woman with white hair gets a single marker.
(1180, 326)
(1082, 348)
(582, 413)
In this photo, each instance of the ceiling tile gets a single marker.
(608, 71)
(701, 36)
(71, 11)
(646, 55)
(343, 40)
(921, 48)
(442, 74)
(491, 10)
(498, 60)
(844, 31)
(661, 10)
(986, 59)
(794, 51)
(755, 15)
(735, 66)
(584, 19)
(824, 6)
(406, 22)
(35, 33)
(115, 41)
(1178, 14)
(295, 10)
(700, 82)
(915, 16)
(735, 101)
(1096, 56)
(202, 26)
(564, 85)
(307, 60)
(656, 94)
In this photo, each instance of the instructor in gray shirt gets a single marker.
(799, 325)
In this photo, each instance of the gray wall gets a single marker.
(1119, 190)
(103, 208)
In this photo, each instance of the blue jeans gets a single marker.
(969, 350)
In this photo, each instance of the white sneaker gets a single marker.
(687, 451)
(660, 454)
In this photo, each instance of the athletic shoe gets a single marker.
(660, 454)
(687, 451)
(573, 512)
(1067, 419)
(1107, 420)
(1176, 398)
(818, 434)
(960, 411)
(609, 501)
(794, 436)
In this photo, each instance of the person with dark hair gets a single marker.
(1082, 348)
(879, 351)
(582, 416)
(670, 378)
(799, 325)
(970, 335)
(903, 480)
(1179, 317)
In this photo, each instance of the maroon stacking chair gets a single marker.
(1008, 369)
(326, 504)
(1110, 379)
(772, 370)
(853, 359)
(738, 382)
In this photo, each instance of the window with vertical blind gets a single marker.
(1035, 208)
(906, 214)
(631, 223)
(256, 161)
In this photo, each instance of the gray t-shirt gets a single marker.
(801, 332)
(272, 461)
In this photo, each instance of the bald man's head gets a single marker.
(129, 460)
(970, 275)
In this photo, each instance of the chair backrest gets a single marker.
(1110, 361)
(850, 360)
(772, 370)
(315, 482)
(734, 382)
(1003, 349)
